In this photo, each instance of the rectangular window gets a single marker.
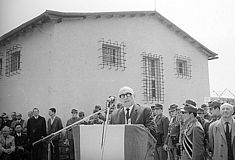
(183, 67)
(13, 60)
(153, 78)
(113, 55)
(1, 67)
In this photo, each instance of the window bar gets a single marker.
(190, 68)
(7, 63)
(162, 78)
(122, 55)
(144, 76)
(103, 54)
(149, 78)
(158, 79)
(113, 54)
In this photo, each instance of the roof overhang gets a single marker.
(49, 15)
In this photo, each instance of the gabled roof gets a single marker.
(49, 15)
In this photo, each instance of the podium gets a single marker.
(122, 142)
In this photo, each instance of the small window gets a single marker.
(113, 55)
(13, 60)
(153, 78)
(1, 67)
(183, 67)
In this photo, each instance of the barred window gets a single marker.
(13, 60)
(113, 54)
(153, 78)
(1, 67)
(183, 67)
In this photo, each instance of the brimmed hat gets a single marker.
(190, 103)
(200, 111)
(97, 107)
(74, 111)
(5, 116)
(158, 106)
(214, 104)
(81, 113)
(190, 106)
(173, 107)
(203, 106)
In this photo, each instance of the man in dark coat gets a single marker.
(21, 145)
(161, 127)
(54, 124)
(136, 114)
(200, 117)
(36, 129)
(132, 113)
(205, 108)
(172, 138)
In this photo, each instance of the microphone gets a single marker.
(111, 99)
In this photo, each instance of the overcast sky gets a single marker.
(211, 22)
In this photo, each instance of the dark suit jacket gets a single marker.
(21, 140)
(36, 128)
(161, 127)
(55, 126)
(139, 115)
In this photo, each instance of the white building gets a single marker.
(77, 60)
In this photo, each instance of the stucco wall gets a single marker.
(30, 88)
(60, 65)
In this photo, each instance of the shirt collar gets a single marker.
(129, 108)
(52, 118)
(230, 121)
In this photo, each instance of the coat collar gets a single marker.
(133, 114)
(219, 125)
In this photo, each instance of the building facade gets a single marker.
(78, 60)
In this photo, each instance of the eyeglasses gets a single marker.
(125, 95)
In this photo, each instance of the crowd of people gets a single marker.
(189, 133)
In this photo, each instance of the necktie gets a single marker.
(127, 114)
(228, 138)
(5, 142)
(227, 129)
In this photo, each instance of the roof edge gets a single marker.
(48, 14)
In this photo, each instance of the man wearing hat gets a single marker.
(69, 133)
(214, 108)
(18, 120)
(200, 117)
(206, 111)
(161, 127)
(172, 138)
(6, 121)
(193, 134)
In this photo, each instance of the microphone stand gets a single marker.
(108, 104)
(52, 135)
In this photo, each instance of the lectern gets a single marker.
(121, 142)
